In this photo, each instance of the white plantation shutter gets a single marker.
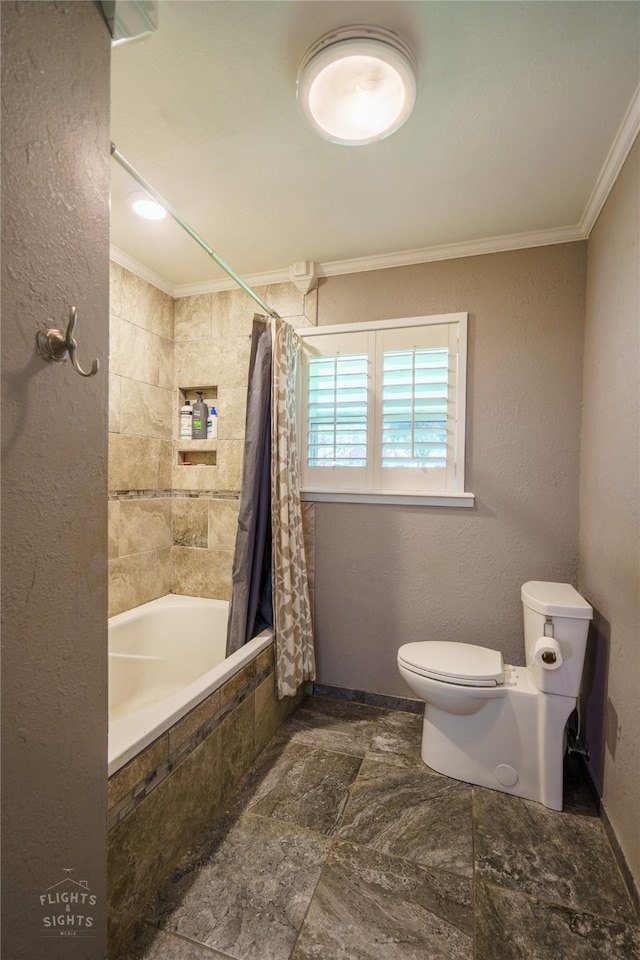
(380, 406)
(337, 413)
(336, 421)
(416, 398)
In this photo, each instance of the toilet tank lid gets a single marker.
(555, 600)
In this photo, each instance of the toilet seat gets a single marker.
(450, 662)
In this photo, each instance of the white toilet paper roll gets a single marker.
(546, 652)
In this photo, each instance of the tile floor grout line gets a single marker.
(215, 953)
(561, 903)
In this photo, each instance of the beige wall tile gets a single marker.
(156, 311)
(146, 410)
(144, 525)
(232, 314)
(193, 317)
(115, 288)
(165, 454)
(134, 580)
(233, 362)
(190, 521)
(217, 362)
(223, 524)
(230, 455)
(231, 408)
(138, 463)
(284, 298)
(133, 352)
(114, 529)
(164, 571)
(165, 364)
(147, 306)
(131, 296)
(114, 403)
(201, 573)
(194, 478)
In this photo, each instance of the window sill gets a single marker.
(411, 499)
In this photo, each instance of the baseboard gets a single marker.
(621, 860)
(404, 704)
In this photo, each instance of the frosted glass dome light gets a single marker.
(357, 85)
(146, 207)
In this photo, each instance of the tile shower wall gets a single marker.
(172, 527)
(140, 440)
(212, 348)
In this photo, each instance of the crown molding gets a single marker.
(622, 144)
(403, 258)
(134, 266)
(385, 261)
(216, 286)
(453, 251)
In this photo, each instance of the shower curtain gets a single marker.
(293, 630)
(269, 578)
(250, 609)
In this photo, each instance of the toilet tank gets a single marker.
(567, 616)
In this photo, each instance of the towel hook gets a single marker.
(54, 346)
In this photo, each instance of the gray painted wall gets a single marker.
(609, 505)
(387, 575)
(55, 234)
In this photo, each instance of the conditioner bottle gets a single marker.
(199, 419)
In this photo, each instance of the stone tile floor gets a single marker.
(341, 845)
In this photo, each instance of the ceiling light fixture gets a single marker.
(357, 85)
(145, 207)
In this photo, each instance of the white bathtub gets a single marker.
(165, 657)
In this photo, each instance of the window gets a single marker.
(382, 411)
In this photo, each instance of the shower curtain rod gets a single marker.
(124, 163)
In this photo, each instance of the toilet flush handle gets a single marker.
(548, 657)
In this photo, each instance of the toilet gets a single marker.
(501, 726)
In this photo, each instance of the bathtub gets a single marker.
(166, 657)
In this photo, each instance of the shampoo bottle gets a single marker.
(199, 419)
(185, 421)
(212, 425)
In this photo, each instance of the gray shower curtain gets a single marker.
(251, 606)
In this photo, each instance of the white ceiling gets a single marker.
(524, 113)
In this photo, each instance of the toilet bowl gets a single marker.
(497, 725)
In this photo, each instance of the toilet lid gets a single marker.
(462, 663)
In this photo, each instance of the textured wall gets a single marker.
(387, 575)
(609, 504)
(55, 235)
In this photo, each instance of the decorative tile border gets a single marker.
(404, 704)
(128, 803)
(160, 494)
